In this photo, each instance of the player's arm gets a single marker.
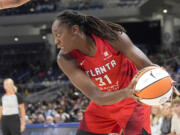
(11, 3)
(83, 82)
(125, 46)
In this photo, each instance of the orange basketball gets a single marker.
(154, 85)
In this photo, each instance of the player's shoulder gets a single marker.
(65, 60)
(123, 42)
(62, 56)
(122, 36)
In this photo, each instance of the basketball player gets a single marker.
(11, 3)
(100, 60)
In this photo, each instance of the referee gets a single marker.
(12, 110)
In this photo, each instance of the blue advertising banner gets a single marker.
(51, 129)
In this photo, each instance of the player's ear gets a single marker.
(75, 29)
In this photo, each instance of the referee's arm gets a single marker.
(0, 112)
(22, 116)
(1, 107)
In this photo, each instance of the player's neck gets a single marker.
(88, 47)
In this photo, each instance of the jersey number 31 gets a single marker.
(103, 80)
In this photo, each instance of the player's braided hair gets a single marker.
(90, 24)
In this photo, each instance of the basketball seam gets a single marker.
(151, 84)
(141, 72)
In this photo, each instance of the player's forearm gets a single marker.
(105, 98)
(89, 89)
(11, 3)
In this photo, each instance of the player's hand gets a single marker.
(22, 127)
(131, 91)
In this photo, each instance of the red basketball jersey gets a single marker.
(109, 69)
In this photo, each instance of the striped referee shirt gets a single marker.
(10, 104)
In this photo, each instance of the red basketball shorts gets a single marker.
(126, 115)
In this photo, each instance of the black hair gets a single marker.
(90, 24)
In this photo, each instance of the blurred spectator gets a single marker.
(167, 116)
(49, 120)
(79, 116)
(175, 127)
(27, 120)
(50, 111)
(156, 120)
(33, 118)
(40, 118)
(57, 118)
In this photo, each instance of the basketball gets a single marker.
(154, 85)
